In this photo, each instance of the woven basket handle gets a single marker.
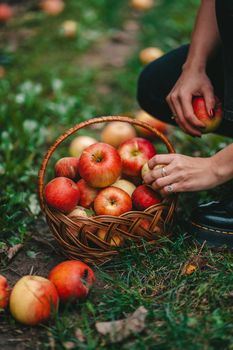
(84, 124)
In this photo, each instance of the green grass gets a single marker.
(45, 92)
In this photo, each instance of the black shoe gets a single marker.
(213, 223)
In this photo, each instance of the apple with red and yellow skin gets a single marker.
(87, 193)
(125, 185)
(4, 292)
(72, 279)
(69, 29)
(112, 201)
(134, 154)
(80, 143)
(117, 132)
(115, 241)
(52, 7)
(67, 167)
(146, 169)
(100, 165)
(77, 212)
(144, 197)
(211, 123)
(6, 13)
(142, 5)
(62, 194)
(34, 299)
(149, 54)
(153, 122)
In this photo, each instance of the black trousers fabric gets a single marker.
(158, 78)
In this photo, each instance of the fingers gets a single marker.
(208, 95)
(189, 113)
(161, 159)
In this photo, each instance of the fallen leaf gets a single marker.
(12, 251)
(193, 265)
(121, 329)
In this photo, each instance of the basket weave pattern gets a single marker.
(77, 236)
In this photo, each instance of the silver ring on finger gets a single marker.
(163, 172)
(170, 188)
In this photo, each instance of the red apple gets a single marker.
(52, 7)
(87, 194)
(5, 12)
(4, 292)
(62, 194)
(67, 167)
(134, 154)
(211, 123)
(117, 132)
(33, 299)
(79, 143)
(115, 241)
(154, 122)
(73, 280)
(112, 201)
(125, 185)
(77, 212)
(144, 197)
(100, 165)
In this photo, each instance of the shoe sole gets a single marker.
(214, 237)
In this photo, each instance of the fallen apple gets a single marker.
(69, 29)
(100, 165)
(211, 123)
(134, 154)
(6, 13)
(112, 201)
(4, 292)
(87, 193)
(125, 185)
(150, 54)
(33, 299)
(62, 194)
(67, 167)
(117, 132)
(142, 5)
(52, 7)
(79, 143)
(144, 197)
(153, 122)
(72, 279)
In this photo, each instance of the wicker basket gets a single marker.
(77, 237)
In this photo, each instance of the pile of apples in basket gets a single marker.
(104, 177)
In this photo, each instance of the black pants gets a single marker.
(159, 77)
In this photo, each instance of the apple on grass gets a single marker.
(33, 299)
(69, 29)
(62, 194)
(150, 54)
(211, 123)
(52, 7)
(144, 197)
(100, 165)
(4, 292)
(5, 13)
(72, 279)
(87, 193)
(134, 154)
(112, 201)
(67, 167)
(142, 5)
(117, 132)
(155, 123)
(79, 143)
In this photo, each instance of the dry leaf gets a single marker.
(13, 250)
(192, 265)
(121, 329)
(79, 335)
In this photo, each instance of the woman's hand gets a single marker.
(181, 173)
(191, 83)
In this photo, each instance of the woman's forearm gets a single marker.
(223, 164)
(205, 37)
